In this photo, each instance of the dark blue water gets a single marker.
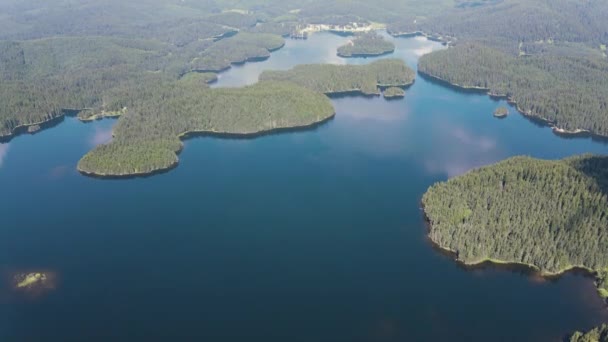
(307, 236)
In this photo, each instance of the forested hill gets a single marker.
(552, 215)
(571, 92)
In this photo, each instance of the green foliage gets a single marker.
(146, 138)
(599, 334)
(569, 92)
(368, 44)
(549, 214)
(238, 49)
(332, 79)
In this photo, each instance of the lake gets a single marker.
(314, 235)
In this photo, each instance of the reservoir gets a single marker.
(314, 235)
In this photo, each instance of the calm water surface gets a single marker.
(308, 236)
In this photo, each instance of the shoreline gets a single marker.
(202, 133)
(579, 132)
(23, 128)
(591, 273)
(252, 59)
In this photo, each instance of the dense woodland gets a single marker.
(549, 214)
(569, 92)
(367, 44)
(335, 79)
(599, 334)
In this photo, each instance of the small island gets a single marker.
(599, 334)
(501, 112)
(33, 283)
(30, 280)
(368, 44)
(506, 213)
(394, 93)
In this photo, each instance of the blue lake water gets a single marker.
(307, 236)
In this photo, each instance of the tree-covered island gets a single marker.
(366, 45)
(549, 215)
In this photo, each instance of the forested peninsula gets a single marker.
(147, 138)
(366, 45)
(244, 47)
(331, 79)
(507, 213)
(160, 112)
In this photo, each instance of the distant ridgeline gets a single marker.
(551, 215)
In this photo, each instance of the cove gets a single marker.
(311, 235)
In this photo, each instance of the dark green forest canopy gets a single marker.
(599, 334)
(146, 138)
(552, 215)
(571, 93)
(335, 79)
(368, 44)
